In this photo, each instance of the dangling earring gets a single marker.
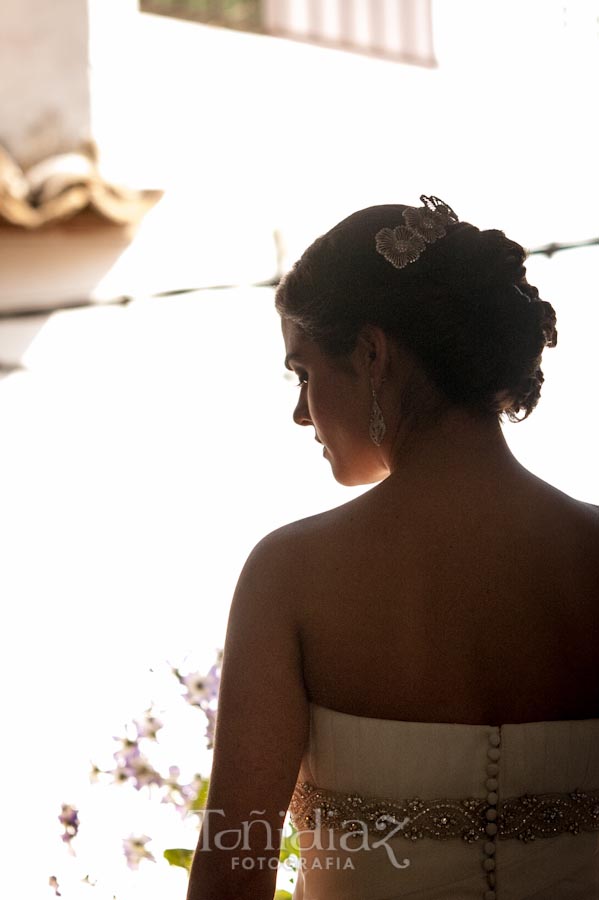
(376, 426)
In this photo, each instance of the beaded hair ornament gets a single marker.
(405, 243)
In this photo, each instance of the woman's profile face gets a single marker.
(336, 400)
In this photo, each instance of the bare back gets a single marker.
(475, 609)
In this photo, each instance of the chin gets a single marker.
(353, 469)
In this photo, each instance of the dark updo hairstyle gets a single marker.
(464, 308)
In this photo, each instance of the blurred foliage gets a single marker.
(179, 856)
(241, 14)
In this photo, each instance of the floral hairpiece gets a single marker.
(404, 243)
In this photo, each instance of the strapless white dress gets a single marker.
(388, 810)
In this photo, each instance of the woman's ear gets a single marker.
(372, 353)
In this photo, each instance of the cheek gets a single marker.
(321, 403)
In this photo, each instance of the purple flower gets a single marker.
(183, 796)
(128, 750)
(148, 727)
(69, 819)
(132, 764)
(142, 772)
(202, 691)
(135, 850)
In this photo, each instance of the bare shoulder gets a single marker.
(570, 527)
(274, 565)
(289, 544)
(586, 516)
(550, 496)
(590, 527)
(587, 512)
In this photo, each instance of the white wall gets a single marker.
(49, 55)
(44, 87)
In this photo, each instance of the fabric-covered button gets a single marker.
(494, 753)
(491, 879)
(488, 865)
(492, 784)
(490, 895)
(490, 848)
(491, 829)
(492, 798)
(494, 740)
(492, 769)
(491, 815)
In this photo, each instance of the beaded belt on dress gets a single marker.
(525, 818)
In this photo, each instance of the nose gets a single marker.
(301, 415)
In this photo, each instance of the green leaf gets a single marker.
(282, 895)
(178, 856)
(202, 797)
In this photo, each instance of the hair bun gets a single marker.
(464, 308)
(487, 259)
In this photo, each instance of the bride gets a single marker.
(415, 673)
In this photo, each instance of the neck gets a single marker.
(458, 450)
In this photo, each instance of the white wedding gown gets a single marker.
(508, 812)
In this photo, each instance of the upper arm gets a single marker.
(263, 711)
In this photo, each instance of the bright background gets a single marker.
(146, 448)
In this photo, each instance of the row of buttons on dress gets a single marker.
(493, 754)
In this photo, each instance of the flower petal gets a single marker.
(429, 225)
(400, 246)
